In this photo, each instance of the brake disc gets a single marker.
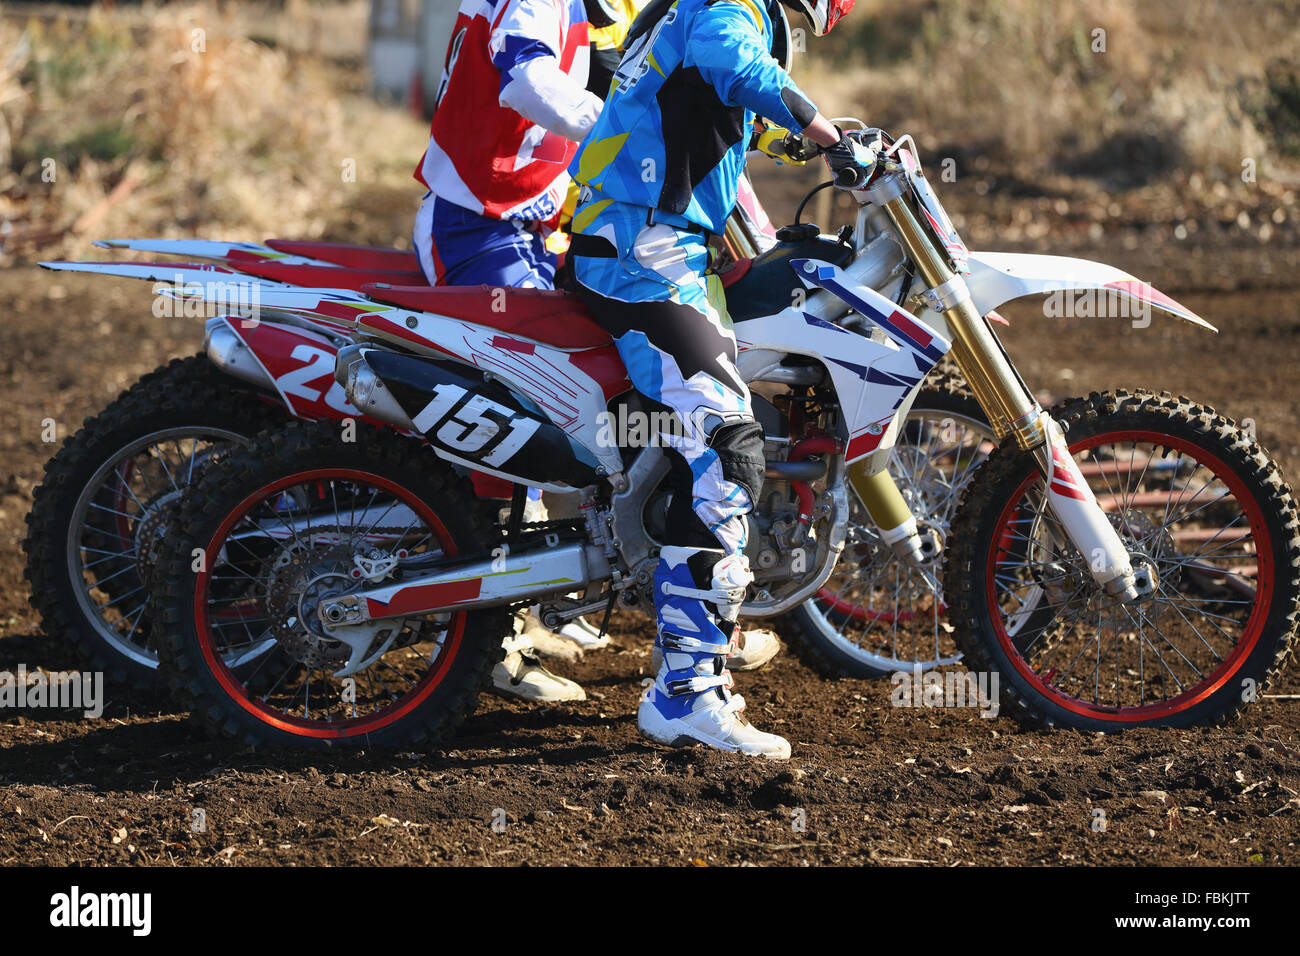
(151, 523)
(151, 528)
(301, 635)
(301, 582)
(1071, 582)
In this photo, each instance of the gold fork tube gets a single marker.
(1011, 409)
(737, 234)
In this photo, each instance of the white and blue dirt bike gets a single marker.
(109, 493)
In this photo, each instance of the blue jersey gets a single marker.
(676, 125)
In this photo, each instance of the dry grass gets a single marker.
(1181, 84)
(243, 130)
(200, 128)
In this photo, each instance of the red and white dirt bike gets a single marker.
(100, 514)
(104, 503)
(1125, 559)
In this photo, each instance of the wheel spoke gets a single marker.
(1178, 516)
(280, 579)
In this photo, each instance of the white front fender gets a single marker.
(999, 277)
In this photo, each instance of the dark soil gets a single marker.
(576, 784)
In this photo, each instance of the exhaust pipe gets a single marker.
(228, 352)
(366, 390)
(465, 416)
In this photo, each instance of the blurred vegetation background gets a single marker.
(1072, 119)
(1123, 90)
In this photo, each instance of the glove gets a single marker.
(853, 159)
(783, 145)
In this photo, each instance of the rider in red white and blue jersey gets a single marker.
(509, 114)
(510, 111)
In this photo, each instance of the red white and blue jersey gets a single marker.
(483, 156)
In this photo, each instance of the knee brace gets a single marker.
(739, 447)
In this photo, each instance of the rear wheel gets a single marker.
(1199, 504)
(267, 538)
(105, 502)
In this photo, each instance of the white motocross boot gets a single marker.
(522, 676)
(754, 648)
(698, 593)
(578, 633)
(586, 636)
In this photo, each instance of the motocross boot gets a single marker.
(522, 676)
(753, 649)
(698, 593)
(578, 634)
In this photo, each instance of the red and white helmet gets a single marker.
(822, 14)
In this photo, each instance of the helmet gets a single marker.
(782, 42)
(822, 14)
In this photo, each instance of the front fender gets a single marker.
(999, 277)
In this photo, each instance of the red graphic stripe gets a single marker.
(1063, 482)
(421, 598)
(513, 345)
(1068, 491)
(859, 445)
(911, 329)
(1145, 293)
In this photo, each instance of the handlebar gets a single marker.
(853, 178)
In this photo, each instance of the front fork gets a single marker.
(1011, 410)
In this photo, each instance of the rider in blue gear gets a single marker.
(657, 174)
(678, 120)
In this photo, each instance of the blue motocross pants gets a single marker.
(460, 247)
(648, 284)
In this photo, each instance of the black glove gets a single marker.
(853, 159)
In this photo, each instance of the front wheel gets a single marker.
(1197, 502)
(271, 535)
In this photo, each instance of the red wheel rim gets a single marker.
(351, 727)
(856, 612)
(1251, 630)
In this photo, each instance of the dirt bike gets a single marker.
(108, 494)
(1140, 534)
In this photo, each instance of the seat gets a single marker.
(326, 277)
(354, 257)
(555, 318)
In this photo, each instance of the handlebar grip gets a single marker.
(850, 178)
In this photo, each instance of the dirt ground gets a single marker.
(868, 783)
